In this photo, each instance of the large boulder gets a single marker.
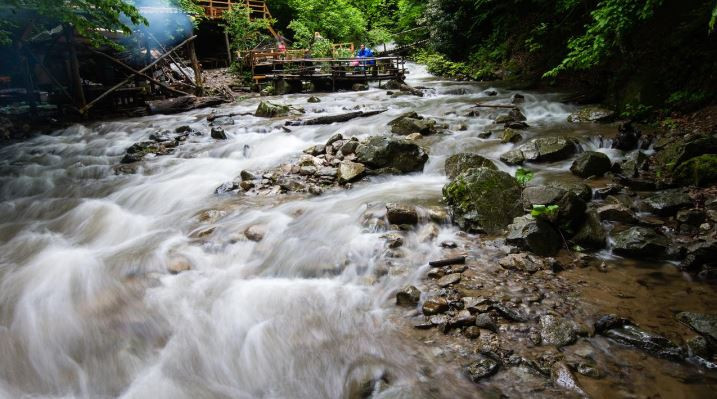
(459, 163)
(412, 123)
(679, 151)
(349, 171)
(571, 208)
(268, 109)
(591, 163)
(668, 202)
(401, 214)
(633, 164)
(535, 235)
(592, 113)
(483, 200)
(639, 242)
(384, 152)
(542, 149)
(698, 171)
(705, 324)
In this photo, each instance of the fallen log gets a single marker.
(326, 120)
(181, 104)
(447, 262)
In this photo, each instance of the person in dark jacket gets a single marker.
(365, 52)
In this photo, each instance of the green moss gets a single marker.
(698, 171)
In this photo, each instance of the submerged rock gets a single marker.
(384, 152)
(459, 163)
(639, 242)
(591, 163)
(542, 149)
(535, 235)
(511, 136)
(481, 368)
(435, 305)
(632, 335)
(705, 324)
(483, 199)
(218, 133)
(412, 123)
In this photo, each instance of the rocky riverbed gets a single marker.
(461, 240)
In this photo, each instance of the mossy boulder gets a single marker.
(483, 200)
(268, 109)
(592, 114)
(679, 151)
(384, 152)
(698, 171)
(571, 208)
(591, 163)
(459, 163)
(542, 149)
(511, 136)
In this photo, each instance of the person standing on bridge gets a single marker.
(365, 52)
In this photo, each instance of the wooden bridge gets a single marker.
(330, 74)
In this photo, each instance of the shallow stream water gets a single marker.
(88, 308)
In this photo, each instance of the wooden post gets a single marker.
(74, 66)
(195, 66)
(229, 48)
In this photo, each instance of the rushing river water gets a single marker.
(88, 308)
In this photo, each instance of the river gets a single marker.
(89, 309)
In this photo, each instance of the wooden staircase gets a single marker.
(257, 10)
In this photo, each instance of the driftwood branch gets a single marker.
(138, 73)
(124, 82)
(326, 120)
(508, 106)
(447, 262)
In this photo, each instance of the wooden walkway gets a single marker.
(333, 74)
(258, 9)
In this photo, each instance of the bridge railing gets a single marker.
(366, 68)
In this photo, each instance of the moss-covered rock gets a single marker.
(679, 151)
(459, 163)
(483, 200)
(698, 171)
(268, 109)
(511, 136)
(542, 149)
(592, 114)
(412, 123)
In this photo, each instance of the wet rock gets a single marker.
(692, 217)
(246, 175)
(475, 304)
(334, 138)
(247, 185)
(394, 240)
(639, 242)
(179, 265)
(508, 313)
(514, 115)
(349, 147)
(408, 296)
(472, 332)
(481, 368)
(485, 135)
(414, 136)
(668, 202)
(524, 262)
(517, 98)
(542, 149)
(449, 279)
(359, 87)
(592, 234)
(483, 199)
(674, 154)
(383, 152)
(511, 136)
(592, 114)
(634, 163)
(557, 331)
(435, 305)
(255, 233)
(268, 109)
(628, 137)
(564, 378)
(616, 213)
(632, 335)
(705, 324)
(698, 346)
(349, 171)
(534, 235)
(588, 370)
(316, 150)
(412, 123)
(700, 254)
(516, 126)
(486, 321)
(700, 171)
(490, 93)
(591, 163)
(401, 214)
(463, 318)
(582, 190)
(314, 100)
(459, 163)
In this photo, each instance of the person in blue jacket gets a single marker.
(365, 52)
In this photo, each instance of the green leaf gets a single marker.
(523, 176)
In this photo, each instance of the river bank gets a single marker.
(171, 282)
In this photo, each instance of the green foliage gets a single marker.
(246, 34)
(544, 211)
(713, 20)
(688, 99)
(336, 20)
(637, 111)
(86, 16)
(440, 65)
(612, 21)
(523, 176)
(322, 48)
(378, 36)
